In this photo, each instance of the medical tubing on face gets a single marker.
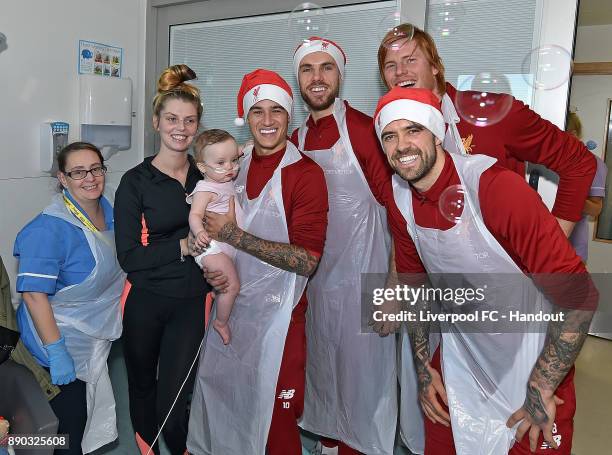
(221, 170)
(177, 396)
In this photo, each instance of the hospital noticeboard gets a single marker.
(100, 59)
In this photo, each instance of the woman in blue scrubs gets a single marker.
(71, 285)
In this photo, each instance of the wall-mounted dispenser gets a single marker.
(53, 138)
(105, 105)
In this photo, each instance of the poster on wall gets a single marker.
(100, 59)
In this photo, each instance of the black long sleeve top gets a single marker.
(151, 216)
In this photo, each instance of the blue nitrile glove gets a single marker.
(60, 363)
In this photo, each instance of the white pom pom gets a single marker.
(238, 121)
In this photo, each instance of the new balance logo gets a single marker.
(556, 438)
(286, 394)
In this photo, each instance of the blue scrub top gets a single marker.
(52, 254)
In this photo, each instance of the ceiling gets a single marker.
(595, 12)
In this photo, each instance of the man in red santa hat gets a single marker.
(354, 410)
(249, 393)
(483, 392)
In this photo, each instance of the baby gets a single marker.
(217, 157)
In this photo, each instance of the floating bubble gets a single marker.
(451, 203)
(484, 100)
(307, 20)
(448, 18)
(547, 67)
(393, 31)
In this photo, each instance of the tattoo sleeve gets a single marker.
(292, 258)
(419, 340)
(418, 331)
(563, 343)
(575, 298)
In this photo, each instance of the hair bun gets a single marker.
(174, 76)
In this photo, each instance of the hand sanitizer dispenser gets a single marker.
(53, 138)
(106, 113)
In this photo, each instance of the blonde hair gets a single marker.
(423, 40)
(172, 85)
(574, 125)
(209, 137)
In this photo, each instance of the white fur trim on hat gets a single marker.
(414, 111)
(318, 46)
(267, 92)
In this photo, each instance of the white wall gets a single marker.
(39, 83)
(590, 95)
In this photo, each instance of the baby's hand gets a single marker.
(202, 239)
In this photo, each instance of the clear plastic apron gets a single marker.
(452, 138)
(485, 374)
(343, 400)
(235, 387)
(88, 315)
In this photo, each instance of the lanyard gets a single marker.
(80, 216)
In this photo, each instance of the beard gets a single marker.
(414, 175)
(320, 104)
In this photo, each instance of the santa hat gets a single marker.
(316, 44)
(262, 85)
(417, 105)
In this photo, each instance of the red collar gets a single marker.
(269, 160)
(447, 177)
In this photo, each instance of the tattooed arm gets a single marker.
(575, 298)
(286, 256)
(428, 379)
(564, 341)
(293, 258)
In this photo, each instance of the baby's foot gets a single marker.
(223, 330)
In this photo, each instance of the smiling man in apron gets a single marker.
(491, 381)
(344, 401)
(249, 394)
(408, 57)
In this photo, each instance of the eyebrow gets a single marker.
(259, 108)
(80, 168)
(176, 115)
(415, 125)
(326, 62)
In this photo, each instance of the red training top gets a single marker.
(525, 136)
(521, 224)
(305, 200)
(518, 219)
(324, 133)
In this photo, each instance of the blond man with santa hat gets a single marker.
(249, 394)
(508, 392)
(352, 409)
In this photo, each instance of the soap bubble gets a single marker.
(547, 67)
(398, 36)
(451, 203)
(484, 100)
(448, 19)
(307, 20)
